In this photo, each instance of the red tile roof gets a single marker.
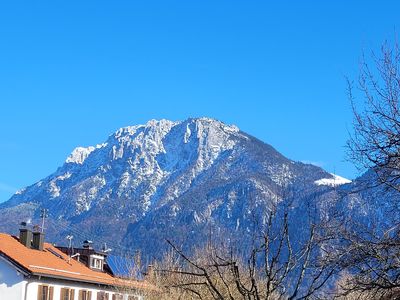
(51, 262)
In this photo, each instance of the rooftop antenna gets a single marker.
(69, 238)
(44, 214)
(73, 256)
(105, 249)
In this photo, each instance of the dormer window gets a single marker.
(96, 262)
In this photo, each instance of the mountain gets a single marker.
(163, 180)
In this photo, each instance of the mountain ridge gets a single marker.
(148, 176)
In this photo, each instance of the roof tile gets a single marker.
(51, 262)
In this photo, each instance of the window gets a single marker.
(96, 262)
(85, 295)
(102, 296)
(67, 294)
(117, 297)
(45, 292)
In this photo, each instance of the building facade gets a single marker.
(31, 269)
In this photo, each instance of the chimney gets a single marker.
(87, 244)
(38, 241)
(25, 237)
(149, 275)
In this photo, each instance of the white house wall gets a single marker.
(33, 289)
(12, 282)
(13, 285)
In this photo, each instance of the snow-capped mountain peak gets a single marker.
(164, 171)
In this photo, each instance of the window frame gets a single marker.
(70, 293)
(96, 262)
(48, 295)
(117, 296)
(85, 295)
(102, 295)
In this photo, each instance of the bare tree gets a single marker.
(371, 252)
(375, 143)
(275, 268)
(369, 260)
(346, 290)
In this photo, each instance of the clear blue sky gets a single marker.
(72, 72)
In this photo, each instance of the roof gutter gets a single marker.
(88, 281)
(98, 283)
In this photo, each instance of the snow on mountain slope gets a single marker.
(333, 181)
(79, 154)
(159, 178)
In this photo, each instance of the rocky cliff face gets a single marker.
(164, 179)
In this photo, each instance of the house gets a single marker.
(31, 269)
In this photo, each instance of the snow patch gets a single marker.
(188, 133)
(54, 189)
(231, 129)
(79, 154)
(281, 174)
(65, 176)
(335, 181)
(20, 191)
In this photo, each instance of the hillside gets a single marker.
(164, 179)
